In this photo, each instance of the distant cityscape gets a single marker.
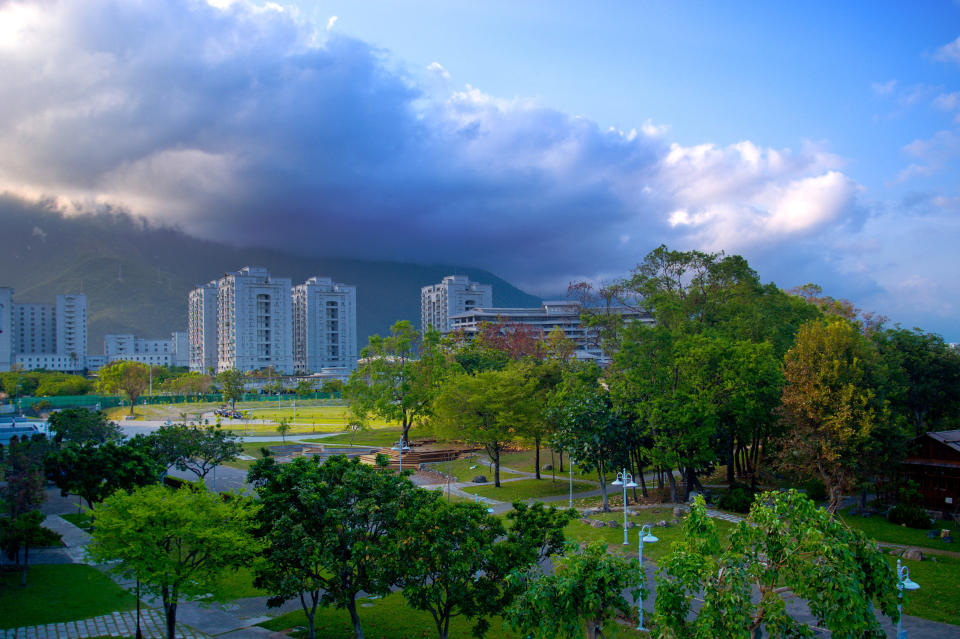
(249, 320)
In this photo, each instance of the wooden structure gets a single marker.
(412, 458)
(934, 464)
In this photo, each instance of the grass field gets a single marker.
(527, 489)
(878, 528)
(467, 468)
(392, 618)
(56, 593)
(384, 436)
(236, 584)
(80, 520)
(939, 595)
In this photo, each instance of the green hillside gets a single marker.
(137, 277)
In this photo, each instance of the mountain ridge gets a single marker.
(137, 276)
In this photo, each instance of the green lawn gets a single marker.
(584, 533)
(80, 520)
(236, 584)
(392, 618)
(878, 528)
(56, 593)
(939, 596)
(524, 461)
(527, 489)
(383, 436)
(467, 468)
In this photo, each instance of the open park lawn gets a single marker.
(80, 520)
(392, 618)
(523, 460)
(877, 527)
(382, 437)
(56, 593)
(236, 584)
(465, 469)
(527, 489)
(939, 595)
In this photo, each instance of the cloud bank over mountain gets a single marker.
(256, 125)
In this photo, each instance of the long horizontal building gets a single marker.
(564, 315)
(154, 352)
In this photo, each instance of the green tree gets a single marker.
(81, 425)
(304, 388)
(333, 388)
(830, 406)
(588, 425)
(177, 543)
(583, 595)
(398, 376)
(128, 378)
(23, 466)
(328, 530)
(21, 533)
(94, 472)
(490, 408)
(283, 427)
(231, 386)
(198, 449)
(786, 545)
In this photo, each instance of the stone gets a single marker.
(596, 523)
(479, 479)
(679, 511)
(913, 554)
(613, 524)
(630, 524)
(675, 522)
(662, 524)
(548, 467)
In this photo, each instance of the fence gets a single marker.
(111, 401)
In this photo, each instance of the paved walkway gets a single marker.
(117, 624)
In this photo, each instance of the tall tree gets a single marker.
(177, 543)
(231, 383)
(126, 377)
(328, 530)
(587, 424)
(786, 545)
(490, 408)
(23, 466)
(398, 376)
(830, 404)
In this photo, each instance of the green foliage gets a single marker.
(187, 383)
(328, 530)
(911, 515)
(583, 594)
(490, 408)
(93, 472)
(23, 465)
(81, 425)
(786, 544)
(177, 543)
(198, 449)
(126, 377)
(231, 386)
(43, 383)
(737, 498)
(22, 533)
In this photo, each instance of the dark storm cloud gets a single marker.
(256, 126)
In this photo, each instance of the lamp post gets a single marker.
(903, 583)
(646, 536)
(571, 480)
(624, 479)
(401, 445)
(477, 499)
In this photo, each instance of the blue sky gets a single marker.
(546, 141)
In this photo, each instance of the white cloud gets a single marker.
(949, 52)
(332, 21)
(436, 67)
(947, 101)
(884, 88)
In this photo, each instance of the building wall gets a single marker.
(324, 325)
(34, 328)
(254, 321)
(154, 352)
(180, 349)
(71, 322)
(6, 328)
(202, 328)
(455, 295)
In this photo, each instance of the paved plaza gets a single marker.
(117, 624)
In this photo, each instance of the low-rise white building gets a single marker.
(43, 336)
(153, 352)
(564, 315)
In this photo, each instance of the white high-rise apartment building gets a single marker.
(202, 328)
(254, 321)
(324, 325)
(43, 336)
(455, 295)
(6, 328)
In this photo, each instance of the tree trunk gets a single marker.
(536, 463)
(561, 461)
(603, 488)
(673, 486)
(355, 618)
(170, 610)
(310, 612)
(730, 465)
(495, 453)
(643, 482)
(26, 562)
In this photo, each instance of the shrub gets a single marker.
(912, 515)
(738, 498)
(815, 490)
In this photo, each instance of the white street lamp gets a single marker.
(646, 537)
(903, 583)
(624, 479)
(402, 446)
(477, 499)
